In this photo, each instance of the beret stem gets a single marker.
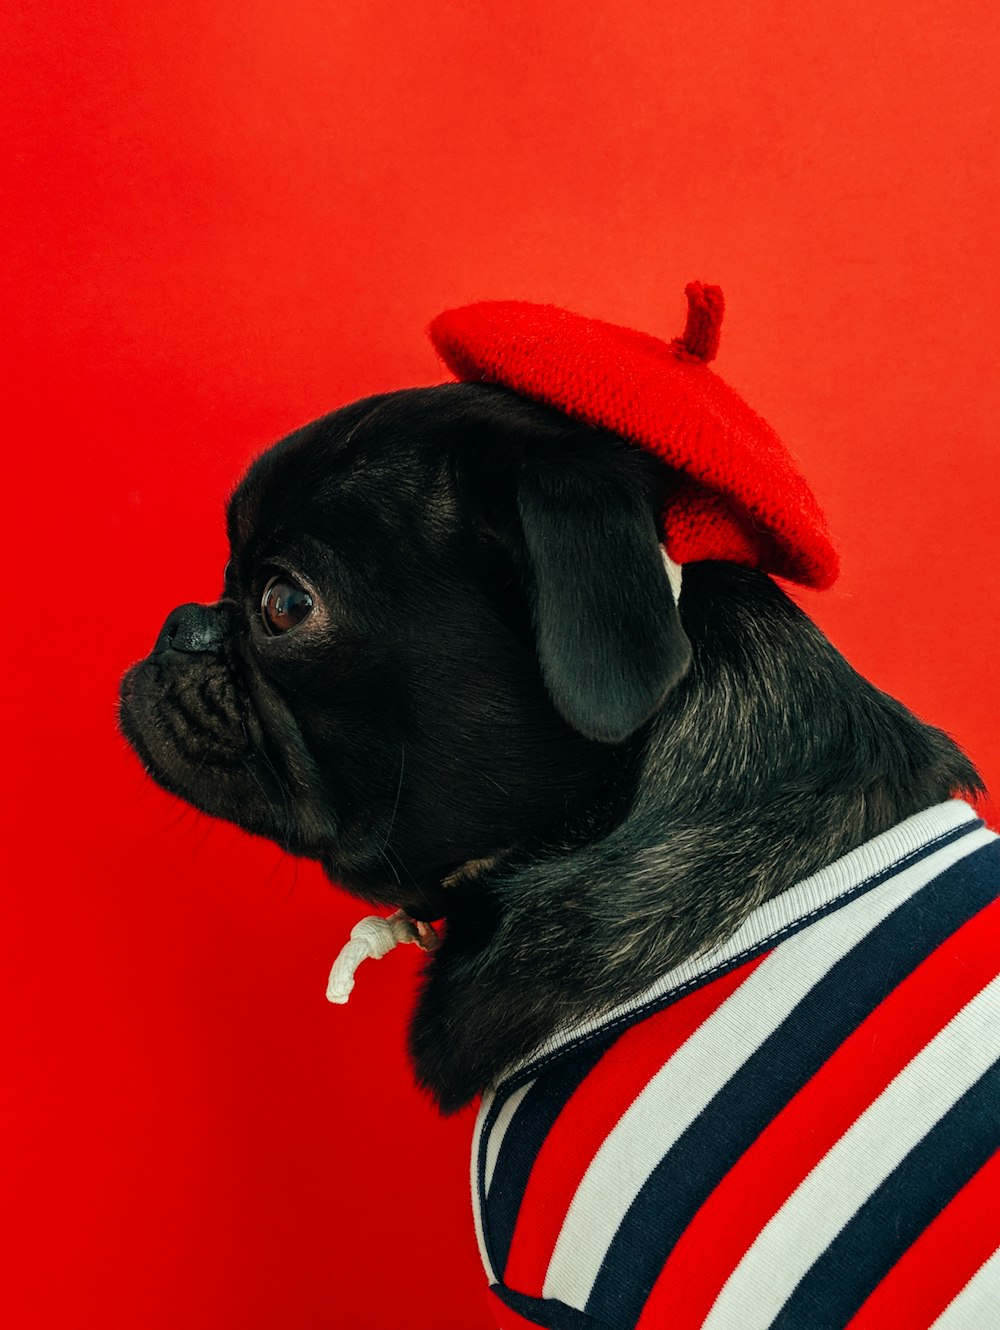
(704, 323)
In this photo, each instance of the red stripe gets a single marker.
(814, 1120)
(941, 1262)
(505, 1318)
(590, 1114)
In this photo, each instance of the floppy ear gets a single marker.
(609, 636)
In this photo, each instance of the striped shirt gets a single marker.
(798, 1130)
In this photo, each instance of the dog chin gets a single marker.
(233, 786)
(427, 899)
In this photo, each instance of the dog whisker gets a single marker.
(280, 785)
(295, 880)
(399, 789)
(385, 856)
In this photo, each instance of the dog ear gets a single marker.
(608, 632)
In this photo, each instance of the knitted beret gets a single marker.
(736, 494)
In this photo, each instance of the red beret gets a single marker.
(737, 496)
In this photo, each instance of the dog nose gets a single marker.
(191, 628)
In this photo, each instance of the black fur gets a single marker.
(496, 715)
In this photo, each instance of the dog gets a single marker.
(450, 664)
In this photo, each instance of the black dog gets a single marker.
(448, 664)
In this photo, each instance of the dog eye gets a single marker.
(284, 605)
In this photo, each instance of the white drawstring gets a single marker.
(372, 938)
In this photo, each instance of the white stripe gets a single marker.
(977, 1307)
(477, 1214)
(497, 1133)
(775, 916)
(503, 1121)
(675, 1096)
(876, 1143)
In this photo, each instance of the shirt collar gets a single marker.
(789, 910)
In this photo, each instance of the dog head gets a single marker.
(444, 624)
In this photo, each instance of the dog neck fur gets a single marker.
(769, 761)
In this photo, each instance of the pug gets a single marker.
(452, 663)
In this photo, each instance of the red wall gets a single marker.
(223, 219)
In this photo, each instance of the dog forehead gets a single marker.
(376, 448)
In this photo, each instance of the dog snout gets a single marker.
(192, 628)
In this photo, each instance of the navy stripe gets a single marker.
(546, 1312)
(730, 1123)
(532, 1122)
(708, 976)
(898, 1211)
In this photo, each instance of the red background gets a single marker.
(223, 219)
